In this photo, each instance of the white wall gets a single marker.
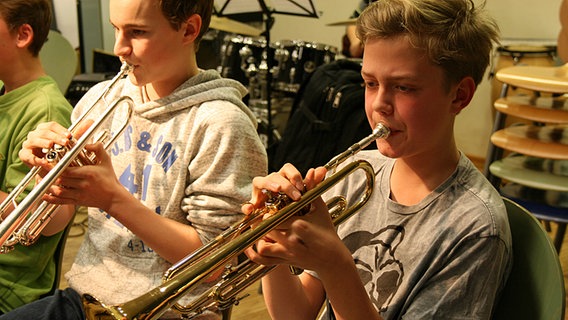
(66, 15)
(519, 20)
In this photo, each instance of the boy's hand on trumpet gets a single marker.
(45, 137)
(80, 185)
(33, 153)
(306, 241)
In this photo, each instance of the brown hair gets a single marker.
(455, 34)
(36, 13)
(177, 11)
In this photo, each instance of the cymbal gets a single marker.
(228, 25)
(343, 23)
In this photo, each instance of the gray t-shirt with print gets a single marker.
(446, 257)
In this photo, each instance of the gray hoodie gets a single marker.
(191, 157)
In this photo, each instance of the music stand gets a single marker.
(302, 8)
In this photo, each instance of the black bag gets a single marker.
(327, 117)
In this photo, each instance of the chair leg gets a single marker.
(546, 225)
(559, 236)
(494, 153)
(226, 313)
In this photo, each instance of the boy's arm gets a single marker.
(292, 297)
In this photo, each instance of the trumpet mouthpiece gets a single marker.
(125, 68)
(381, 131)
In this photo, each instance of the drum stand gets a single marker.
(260, 100)
(303, 8)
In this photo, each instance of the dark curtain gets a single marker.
(53, 19)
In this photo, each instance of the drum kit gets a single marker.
(239, 51)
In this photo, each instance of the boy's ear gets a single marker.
(192, 27)
(463, 95)
(25, 35)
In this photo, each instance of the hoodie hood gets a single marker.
(206, 86)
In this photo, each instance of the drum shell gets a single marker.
(240, 53)
(296, 60)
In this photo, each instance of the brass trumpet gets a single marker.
(31, 215)
(200, 265)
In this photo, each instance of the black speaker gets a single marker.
(105, 62)
(81, 83)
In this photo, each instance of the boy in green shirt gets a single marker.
(27, 97)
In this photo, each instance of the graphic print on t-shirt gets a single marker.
(380, 271)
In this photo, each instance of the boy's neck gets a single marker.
(413, 180)
(157, 90)
(26, 73)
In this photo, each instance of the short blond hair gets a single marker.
(455, 34)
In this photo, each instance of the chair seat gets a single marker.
(538, 78)
(511, 171)
(547, 110)
(519, 139)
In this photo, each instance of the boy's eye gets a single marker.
(370, 84)
(404, 88)
(137, 32)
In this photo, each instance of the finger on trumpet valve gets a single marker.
(51, 156)
(55, 153)
(276, 200)
(58, 148)
(271, 197)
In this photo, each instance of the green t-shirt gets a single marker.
(26, 273)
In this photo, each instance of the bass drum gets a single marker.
(297, 60)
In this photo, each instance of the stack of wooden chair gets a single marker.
(527, 159)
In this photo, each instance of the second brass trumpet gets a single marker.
(194, 269)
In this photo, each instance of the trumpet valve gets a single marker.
(279, 200)
(54, 154)
(276, 200)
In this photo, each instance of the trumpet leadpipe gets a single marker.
(124, 69)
